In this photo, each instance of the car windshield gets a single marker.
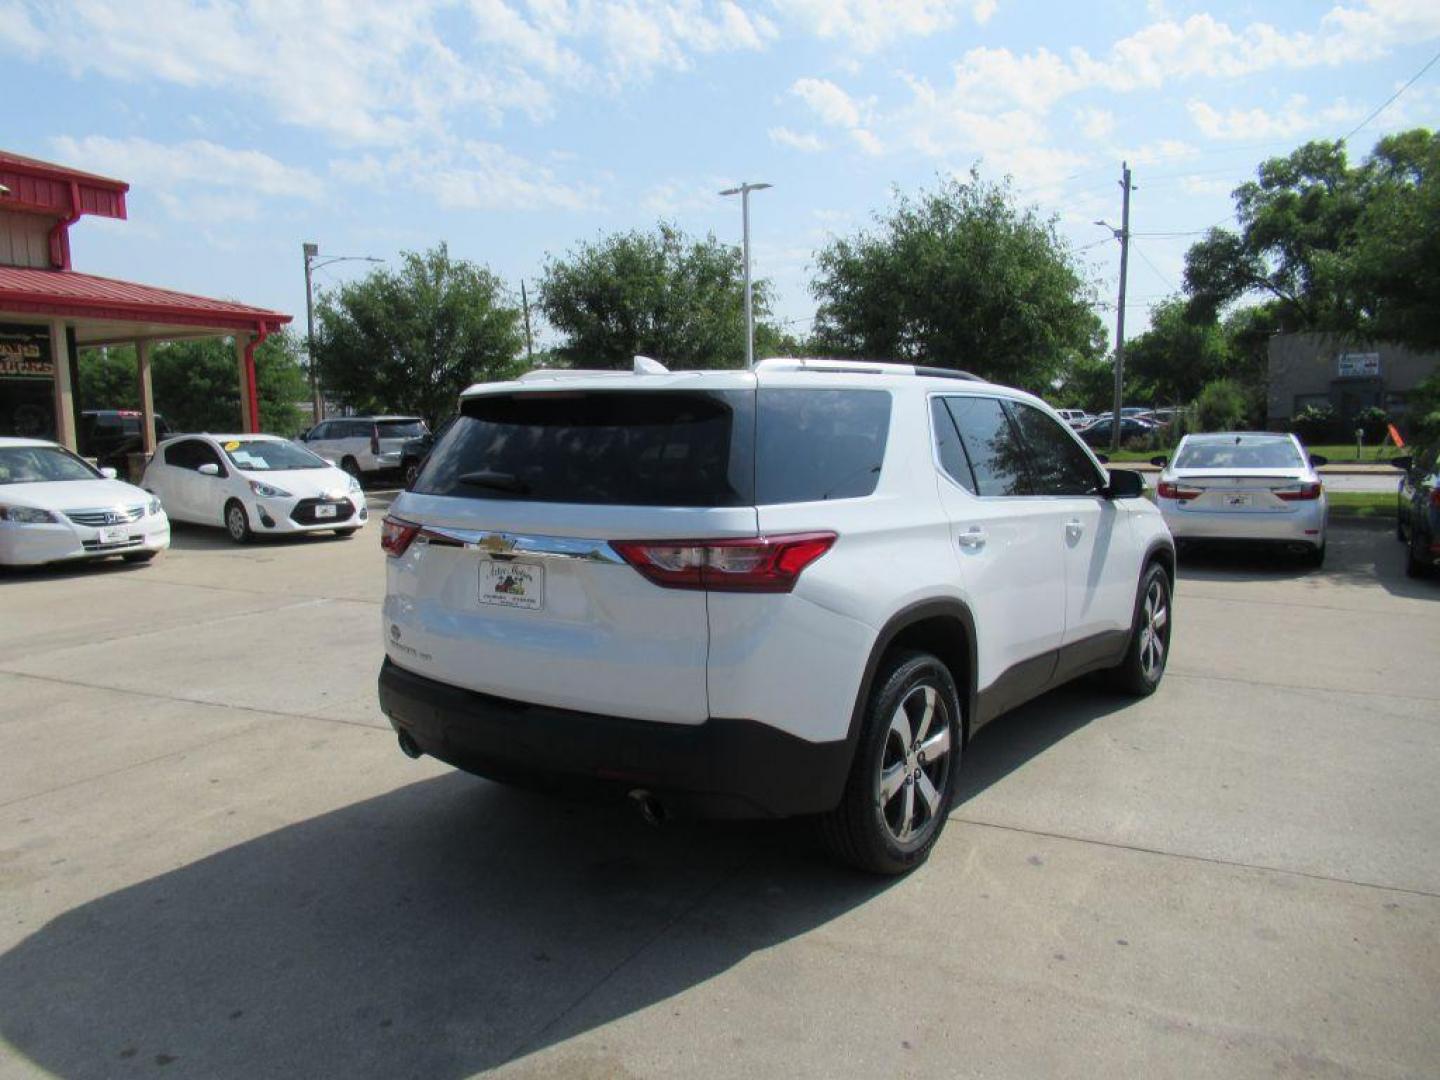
(1239, 452)
(267, 455)
(41, 464)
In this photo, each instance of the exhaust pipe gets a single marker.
(652, 810)
(409, 747)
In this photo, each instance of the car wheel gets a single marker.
(907, 763)
(351, 466)
(237, 522)
(411, 472)
(1415, 565)
(1316, 555)
(1149, 649)
(140, 556)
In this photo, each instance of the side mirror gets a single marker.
(109, 473)
(1404, 461)
(1319, 459)
(209, 469)
(1125, 484)
(1160, 462)
(304, 435)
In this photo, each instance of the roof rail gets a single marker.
(829, 365)
(947, 373)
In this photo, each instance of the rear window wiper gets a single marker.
(496, 481)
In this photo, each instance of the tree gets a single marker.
(1088, 383)
(1330, 247)
(1221, 405)
(658, 294)
(1172, 360)
(959, 277)
(412, 340)
(197, 384)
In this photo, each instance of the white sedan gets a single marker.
(55, 507)
(254, 484)
(1244, 486)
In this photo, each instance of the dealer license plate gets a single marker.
(1237, 500)
(325, 510)
(512, 584)
(113, 536)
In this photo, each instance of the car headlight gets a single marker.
(355, 485)
(26, 515)
(154, 507)
(268, 491)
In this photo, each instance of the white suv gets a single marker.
(797, 590)
(364, 444)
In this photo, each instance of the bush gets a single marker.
(1315, 424)
(1373, 422)
(1221, 406)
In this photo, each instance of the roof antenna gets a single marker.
(645, 365)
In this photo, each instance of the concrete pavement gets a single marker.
(214, 862)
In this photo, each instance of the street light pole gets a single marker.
(311, 253)
(1123, 235)
(744, 192)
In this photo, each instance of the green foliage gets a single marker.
(1178, 355)
(1331, 247)
(1423, 414)
(1088, 383)
(411, 340)
(196, 383)
(1374, 422)
(959, 277)
(1315, 424)
(658, 294)
(1221, 405)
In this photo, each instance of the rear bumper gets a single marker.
(722, 768)
(1302, 526)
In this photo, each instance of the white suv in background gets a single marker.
(362, 445)
(797, 590)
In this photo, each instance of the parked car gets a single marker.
(248, 484)
(111, 435)
(1418, 506)
(54, 507)
(1098, 433)
(796, 590)
(1242, 485)
(414, 452)
(364, 445)
(1076, 418)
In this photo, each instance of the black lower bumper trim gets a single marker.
(722, 768)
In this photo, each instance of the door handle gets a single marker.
(1074, 530)
(974, 537)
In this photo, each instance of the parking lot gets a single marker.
(215, 862)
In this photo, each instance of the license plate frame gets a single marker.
(114, 534)
(326, 510)
(1240, 500)
(512, 583)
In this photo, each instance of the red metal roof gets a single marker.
(40, 187)
(66, 293)
(48, 169)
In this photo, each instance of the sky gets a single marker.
(513, 130)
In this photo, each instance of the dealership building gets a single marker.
(1328, 369)
(49, 311)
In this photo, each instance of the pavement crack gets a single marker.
(1210, 859)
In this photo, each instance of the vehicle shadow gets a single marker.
(187, 537)
(439, 930)
(82, 568)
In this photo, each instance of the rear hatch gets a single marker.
(390, 436)
(1253, 491)
(512, 586)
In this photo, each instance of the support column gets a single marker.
(147, 398)
(64, 392)
(247, 422)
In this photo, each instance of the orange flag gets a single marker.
(1395, 434)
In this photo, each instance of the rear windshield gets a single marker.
(663, 448)
(400, 429)
(1239, 453)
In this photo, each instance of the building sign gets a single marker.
(1359, 365)
(25, 351)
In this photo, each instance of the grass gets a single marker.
(1361, 504)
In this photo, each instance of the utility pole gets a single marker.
(317, 405)
(529, 345)
(1116, 423)
(744, 192)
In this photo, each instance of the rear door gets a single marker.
(513, 588)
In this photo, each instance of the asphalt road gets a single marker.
(214, 861)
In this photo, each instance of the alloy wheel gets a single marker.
(1154, 634)
(915, 766)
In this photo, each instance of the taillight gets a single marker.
(1299, 493)
(764, 564)
(396, 534)
(375, 438)
(1167, 489)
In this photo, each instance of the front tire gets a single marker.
(237, 522)
(1149, 649)
(351, 466)
(907, 763)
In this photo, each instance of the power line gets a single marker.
(1158, 272)
(1392, 98)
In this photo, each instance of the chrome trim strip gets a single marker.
(505, 545)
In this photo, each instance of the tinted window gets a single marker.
(400, 429)
(612, 447)
(1057, 464)
(997, 456)
(947, 443)
(820, 444)
(183, 455)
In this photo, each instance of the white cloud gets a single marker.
(1095, 123)
(827, 101)
(1290, 119)
(468, 175)
(197, 163)
(869, 25)
(676, 198)
(808, 142)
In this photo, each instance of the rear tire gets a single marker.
(1316, 556)
(1415, 566)
(412, 471)
(907, 764)
(237, 522)
(1149, 649)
